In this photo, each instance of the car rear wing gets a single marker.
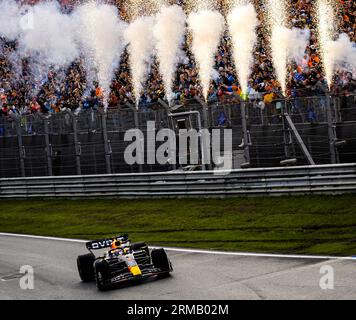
(105, 243)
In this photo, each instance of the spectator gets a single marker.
(53, 96)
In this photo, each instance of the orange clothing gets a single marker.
(98, 92)
(268, 98)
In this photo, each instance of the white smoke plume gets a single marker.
(16, 67)
(342, 54)
(141, 48)
(100, 32)
(10, 19)
(169, 32)
(207, 27)
(327, 25)
(298, 40)
(287, 45)
(44, 34)
(48, 41)
(242, 22)
(51, 38)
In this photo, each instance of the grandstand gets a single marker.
(54, 127)
(92, 142)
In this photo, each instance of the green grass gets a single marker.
(308, 225)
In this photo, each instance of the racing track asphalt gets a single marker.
(197, 275)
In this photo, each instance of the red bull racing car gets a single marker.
(123, 262)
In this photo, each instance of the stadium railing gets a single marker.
(304, 180)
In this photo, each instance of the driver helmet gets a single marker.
(116, 244)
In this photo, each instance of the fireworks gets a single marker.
(206, 27)
(242, 22)
(169, 34)
(326, 31)
(276, 14)
(151, 34)
(198, 5)
(140, 8)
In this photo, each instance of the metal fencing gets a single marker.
(330, 180)
(92, 142)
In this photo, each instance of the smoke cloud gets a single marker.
(207, 27)
(287, 45)
(342, 54)
(169, 32)
(100, 33)
(51, 38)
(141, 40)
(242, 22)
(45, 36)
(10, 20)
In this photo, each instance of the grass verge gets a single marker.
(298, 225)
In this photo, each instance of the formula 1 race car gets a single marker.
(124, 262)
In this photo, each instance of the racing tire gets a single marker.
(101, 275)
(85, 264)
(161, 261)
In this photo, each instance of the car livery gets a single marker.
(125, 261)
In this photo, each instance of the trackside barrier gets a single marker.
(325, 179)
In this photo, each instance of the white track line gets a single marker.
(238, 254)
(41, 237)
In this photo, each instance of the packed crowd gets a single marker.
(65, 89)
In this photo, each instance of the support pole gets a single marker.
(163, 104)
(107, 144)
(49, 150)
(205, 113)
(205, 125)
(245, 132)
(137, 125)
(78, 149)
(286, 134)
(331, 130)
(22, 151)
(167, 112)
(299, 139)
